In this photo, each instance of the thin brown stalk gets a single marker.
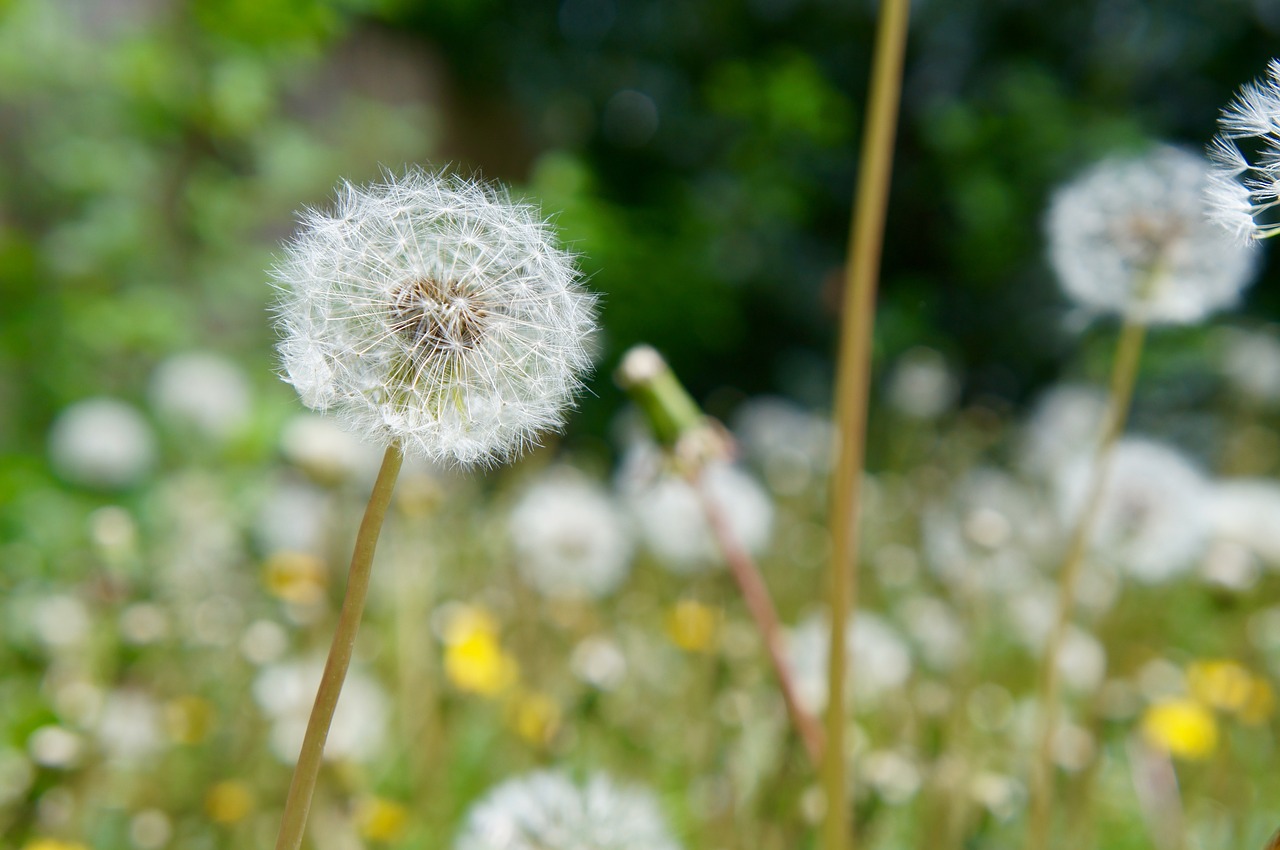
(853, 378)
(1124, 373)
(298, 804)
(759, 603)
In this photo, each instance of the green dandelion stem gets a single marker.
(298, 803)
(853, 379)
(1124, 374)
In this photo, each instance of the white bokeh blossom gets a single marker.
(1153, 517)
(570, 537)
(434, 311)
(670, 518)
(881, 657)
(547, 810)
(1132, 235)
(1244, 188)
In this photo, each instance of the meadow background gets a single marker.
(163, 590)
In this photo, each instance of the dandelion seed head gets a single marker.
(570, 538)
(102, 443)
(548, 811)
(1153, 517)
(1245, 184)
(876, 651)
(432, 310)
(1133, 236)
(669, 515)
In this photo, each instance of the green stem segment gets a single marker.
(671, 411)
(298, 803)
(692, 439)
(853, 380)
(1124, 374)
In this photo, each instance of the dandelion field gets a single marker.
(553, 653)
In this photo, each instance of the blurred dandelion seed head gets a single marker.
(432, 310)
(548, 811)
(102, 443)
(570, 539)
(1132, 236)
(1153, 514)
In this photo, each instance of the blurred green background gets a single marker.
(699, 156)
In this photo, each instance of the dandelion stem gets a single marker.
(1124, 373)
(756, 594)
(298, 803)
(853, 379)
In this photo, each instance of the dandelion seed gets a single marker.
(1133, 236)
(433, 311)
(547, 811)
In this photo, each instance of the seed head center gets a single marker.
(438, 318)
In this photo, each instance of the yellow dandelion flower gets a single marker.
(1182, 727)
(296, 577)
(1220, 683)
(380, 819)
(474, 659)
(535, 717)
(53, 844)
(692, 626)
(228, 802)
(189, 719)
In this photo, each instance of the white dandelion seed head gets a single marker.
(103, 443)
(922, 385)
(1251, 363)
(203, 390)
(570, 538)
(670, 518)
(1065, 425)
(1132, 236)
(1244, 188)
(431, 310)
(988, 532)
(879, 659)
(1246, 511)
(286, 691)
(548, 811)
(1152, 520)
(790, 445)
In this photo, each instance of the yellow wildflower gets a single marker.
(1181, 727)
(692, 626)
(535, 717)
(53, 844)
(474, 660)
(380, 819)
(228, 802)
(296, 577)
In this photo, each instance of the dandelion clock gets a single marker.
(439, 319)
(432, 311)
